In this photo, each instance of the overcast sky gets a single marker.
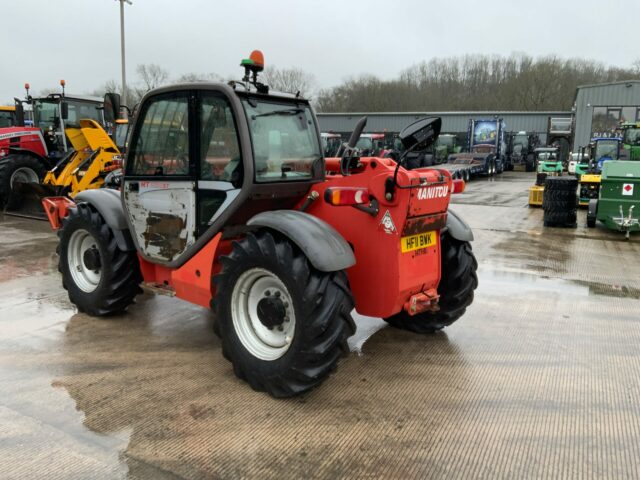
(79, 40)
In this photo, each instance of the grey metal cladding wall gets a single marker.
(451, 121)
(607, 95)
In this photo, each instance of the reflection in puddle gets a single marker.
(516, 282)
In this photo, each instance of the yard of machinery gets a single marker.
(339, 269)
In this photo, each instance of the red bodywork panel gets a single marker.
(193, 281)
(24, 138)
(384, 278)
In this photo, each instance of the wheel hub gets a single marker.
(271, 310)
(91, 258)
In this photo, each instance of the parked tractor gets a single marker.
(630, 141)
(371, 144)
(227, 202)
(618, 203)
(589, 172)
(446, 145)
(28, 153)
(520, 150)
(331, 143)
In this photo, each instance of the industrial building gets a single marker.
(599, 108)
(452, 122)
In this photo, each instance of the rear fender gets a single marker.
(325, 248)
(458, 228)
(107, 203)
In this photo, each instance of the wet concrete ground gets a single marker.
(540, 379)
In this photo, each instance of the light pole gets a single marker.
(124, 73)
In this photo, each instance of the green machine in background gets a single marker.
(618, 204)
(630, 140)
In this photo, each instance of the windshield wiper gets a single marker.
(286, 111)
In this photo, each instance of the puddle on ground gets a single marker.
(366, 327)
(511, 282)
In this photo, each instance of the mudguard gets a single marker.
(321, 243)
(458, 228)
(107, 203)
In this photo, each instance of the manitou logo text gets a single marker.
(433, 192)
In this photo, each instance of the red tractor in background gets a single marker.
(227, 202)
(27, 153)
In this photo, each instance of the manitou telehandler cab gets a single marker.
(228, 203)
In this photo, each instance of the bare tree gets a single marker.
(289, 80)
(152, 75)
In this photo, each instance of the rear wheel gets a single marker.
(16, 169)
(101, 279)
(283, 324)
(459, 280)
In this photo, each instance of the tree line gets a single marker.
(474, 82)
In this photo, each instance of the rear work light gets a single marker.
(346, 196)
(458, 186)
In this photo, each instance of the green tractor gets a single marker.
(446, 144)
(630, 141)
(618, 203)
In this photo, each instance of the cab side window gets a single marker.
(162, 145)
(220, 157)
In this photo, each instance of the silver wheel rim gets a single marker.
(24, 175)
(85, 279)
(262, 342)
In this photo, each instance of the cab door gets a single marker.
(159, 187)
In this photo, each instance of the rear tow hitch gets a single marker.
(422, 302)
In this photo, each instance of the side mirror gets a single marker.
(111, 107)
(19, 113)
(64, 110)
(421, 133)
(357, 131)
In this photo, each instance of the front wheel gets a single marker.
(100, 278)
(14, 170)
(459, 280)
(283, 324)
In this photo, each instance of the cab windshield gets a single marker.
(631, 136)
(285, 141)
(46, 113)
(607, 148)
(7, 118)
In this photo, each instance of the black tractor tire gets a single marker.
(459, 280)
(560, 195)
(560, 217)
(321, 303)
(559, 205)
(568, 184)
(119, 271)
(8, 166)
(591, 221)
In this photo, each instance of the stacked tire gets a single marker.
(560, 202)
